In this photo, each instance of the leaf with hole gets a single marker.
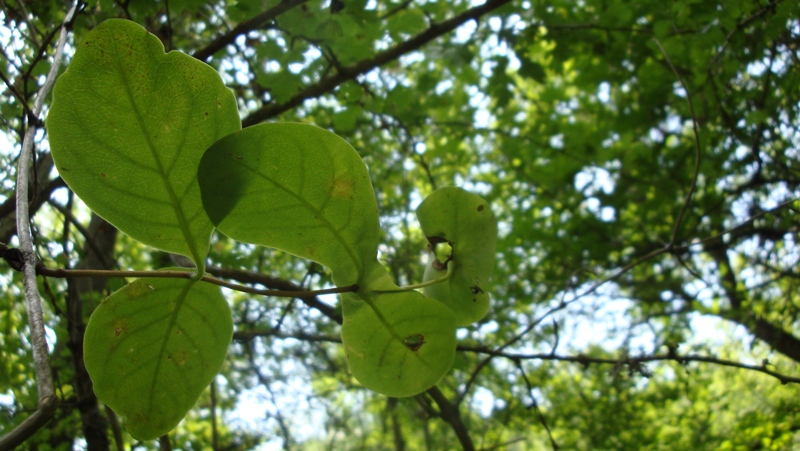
(295, 187)
(462, 232)
(397, 343)
(127, 129)
(152, 347)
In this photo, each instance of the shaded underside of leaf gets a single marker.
(127, 129)
(401, 345)
(295, 187)
(396, 343)
(464, 220)
(152, 347)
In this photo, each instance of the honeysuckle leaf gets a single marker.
(127, 129)
(152, 347)
(397, 343)
(462, 232)
(294, 187)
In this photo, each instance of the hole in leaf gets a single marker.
(414, 342)
(442, 252)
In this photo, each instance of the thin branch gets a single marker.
(31, 30)
(740, 26)
(214, 432)
(633, 362)
(535, 405)
(176, 274)
(738, 228)
(276, 283)
(247, 335)
(350, 72)
(688, 200)
(48, 400)
(245, 27)
(20, 98)
(450, 414)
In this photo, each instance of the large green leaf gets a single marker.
(127, 129)
(152, 347)
(462, 229)
(294, 187)
(397, 343)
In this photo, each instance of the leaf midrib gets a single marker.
(182, 221)
(319, 213)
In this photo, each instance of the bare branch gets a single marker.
(244, 27)
(48, 401)
(177, 274)
(634, 362)
(688, 200)
(246, 335)
(450, 414)
(352, 71)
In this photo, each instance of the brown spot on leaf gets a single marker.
(342, 189)
(480, 207)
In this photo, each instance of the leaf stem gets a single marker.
(178, 274)
(421, 285)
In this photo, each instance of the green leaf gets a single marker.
(532, 69)
(464, 221)
(294, 187)
(127, 129)
(397, 343)
(152, 347)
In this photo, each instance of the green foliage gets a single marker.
(397, 343)
(297, 188)
(153, 347)
(466, 225)
(571, 119)
(133, 158)
(128, 127)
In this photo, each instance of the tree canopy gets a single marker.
(327, 171)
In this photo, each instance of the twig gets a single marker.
(450, 414)
(688, 200)
(48, 401)
(20, 98)
(31, 31)
(366, 65)
(247, 335)
(177, 274)
(214, 433)
(633, 361)
(535, 405)
(244, 27)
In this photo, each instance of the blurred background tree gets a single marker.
(646, 295)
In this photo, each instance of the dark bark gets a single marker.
(775, 336)
(83, 295)
(449, 413)
(244, 27)
(40, 192)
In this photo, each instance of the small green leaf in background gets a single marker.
(295, 187)
(464, 221)
(127, 129)
(152, 347)
(397, 343)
